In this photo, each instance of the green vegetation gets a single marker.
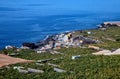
(87, 66)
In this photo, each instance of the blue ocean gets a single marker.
(21, 25)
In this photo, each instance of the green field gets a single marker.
(88, 66)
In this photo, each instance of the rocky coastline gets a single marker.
(66, 39)
(71, 53)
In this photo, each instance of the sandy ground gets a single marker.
(7, 60)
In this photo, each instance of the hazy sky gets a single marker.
(60, 6)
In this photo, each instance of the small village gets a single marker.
(69, 55)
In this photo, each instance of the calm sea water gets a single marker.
(14, 29)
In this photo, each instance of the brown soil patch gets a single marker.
(7, 60)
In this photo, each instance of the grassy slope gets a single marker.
(86, 67)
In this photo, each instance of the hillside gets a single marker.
(88, 66)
